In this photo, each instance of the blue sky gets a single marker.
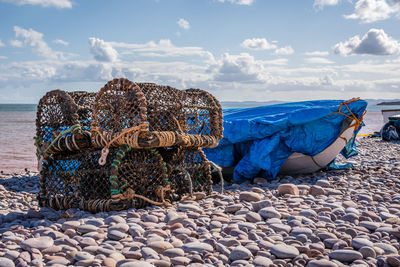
(256, 50)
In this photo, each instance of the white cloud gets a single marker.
(238, 68)
(374, 10)
(286, 50)
(374, 42)
(257, 44)
(3, 57)
(318, 60)
(35, 40)
(184, 24)
(61, 42)
(327, 80)
(1, 43)
(164, 48)
(317, 53)
(238, 2)
(319, 4)
(16, 43)
(102, 51)
(277, 62)
(43, 3)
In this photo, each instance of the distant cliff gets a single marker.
(389, 103)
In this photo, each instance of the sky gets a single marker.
(239, 50)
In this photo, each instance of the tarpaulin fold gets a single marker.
(257, 141)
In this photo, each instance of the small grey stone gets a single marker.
(180, 261)
(261, 261)
(344, 255)
(283, 251)
(367, 252)
(253, 217)
(361, 242)
(133, 263)
(197, 246)
(249, 196)
(240, 253)
(173, 252)
(269, 212)
(321, 263)
(189, 207)
(82, 256)
(39, 243)
(370, 225)
(387, 248)
(87, 228)
(301, 230)
(116, 235)
(114, 219)
(233, 208)
(70, 225)
(261, 204)
(4, 262)
(121, 227)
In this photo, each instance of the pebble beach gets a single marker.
(329, 218)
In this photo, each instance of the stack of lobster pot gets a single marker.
(127, 146)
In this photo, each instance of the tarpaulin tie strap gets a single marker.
(353, 116)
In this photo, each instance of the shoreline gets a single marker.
(335, 218)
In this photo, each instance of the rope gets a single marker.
(129, 194)
(221, 177)
(353, 116)
(105, 150)
(44, 152)
(165, 138)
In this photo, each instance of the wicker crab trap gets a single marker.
(127, 146)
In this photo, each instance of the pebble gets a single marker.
(290, 189)
(160, 246)
(261, 261)
(4, 262)
(316, 190)
(197, 247)
(361, 242)
(387, 248)
(269, 212)
(39, 243)
(240, 253)
(249, 196)
(344, 255)
(283, 251)
(367, 252)
(321, 263)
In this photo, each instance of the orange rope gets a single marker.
(353, 116)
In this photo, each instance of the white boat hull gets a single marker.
(301, 163)
(386, 113)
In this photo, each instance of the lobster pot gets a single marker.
(192, 111)
(85, 102)
(78, 181)
(61, 124)
(188, 171)
(146, 115)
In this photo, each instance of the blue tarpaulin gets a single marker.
(258, 141)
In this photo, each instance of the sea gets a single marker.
(17, 129)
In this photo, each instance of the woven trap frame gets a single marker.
(127, 146)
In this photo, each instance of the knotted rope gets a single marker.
(132, 143)
(353, 116)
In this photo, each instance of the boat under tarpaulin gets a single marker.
(258, 141)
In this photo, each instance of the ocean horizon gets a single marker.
(372, 105)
